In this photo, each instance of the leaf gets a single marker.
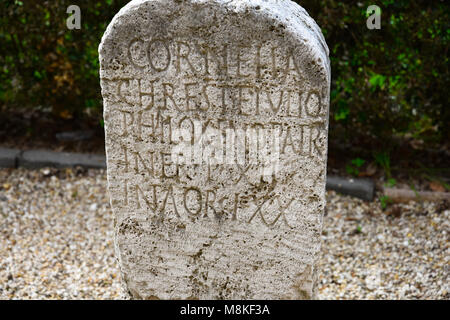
(349, 169)
(391, 182)
(65, 114)
(377, 81)
(384, 200)
(342, 112)
(358, 162)
(436, 186)
(37, 74)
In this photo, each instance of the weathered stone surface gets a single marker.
(192, 91)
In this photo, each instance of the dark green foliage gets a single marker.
(43, 63)
(391, 82)
(387, 83)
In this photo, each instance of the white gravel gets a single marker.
(56, 242)
(400, 253)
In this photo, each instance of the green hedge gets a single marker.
(386, 83)
(390, 82)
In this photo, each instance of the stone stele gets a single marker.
(216, 120)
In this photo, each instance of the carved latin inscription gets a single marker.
(216, 126)
(229, 89)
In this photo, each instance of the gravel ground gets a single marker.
(56, 242)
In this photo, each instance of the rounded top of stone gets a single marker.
(286, 14)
